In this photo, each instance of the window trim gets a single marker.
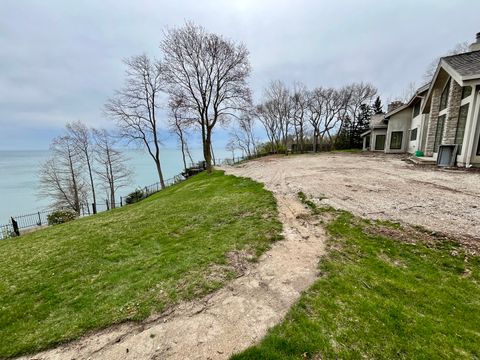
(460, 146)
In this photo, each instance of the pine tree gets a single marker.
(377, 106)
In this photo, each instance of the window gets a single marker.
(439, 133)
(416, 109)
(413, 135)
(466, 91)
(444, 97)
(380, 142)
(462, 121)
(396, 140)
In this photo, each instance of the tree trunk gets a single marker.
(207, 143)
(213, 154)
(76, 200)
(94, 205)
(182, 144)
(160, 173)
(112, 180)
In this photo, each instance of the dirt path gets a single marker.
(379, 187)
(227, 321)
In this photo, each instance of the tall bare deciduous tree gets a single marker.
(210, 73)
(356, 96)
(299, 104)
(315, 111)
(275, 113)
(178, 123)
(112, 170)
(135, 107)
(81, 138)
(60, 176)
(242, 136)
(267, 116)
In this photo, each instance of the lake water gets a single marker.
(19, 176)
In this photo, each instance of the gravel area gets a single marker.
(378, 187)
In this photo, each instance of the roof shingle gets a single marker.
(466, 64)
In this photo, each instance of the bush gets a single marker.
(135, 196)
(61, 216)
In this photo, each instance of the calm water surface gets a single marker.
(19, 176)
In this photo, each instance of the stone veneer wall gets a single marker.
(432, 121)
(453, 109)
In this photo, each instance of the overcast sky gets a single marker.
(60, 60)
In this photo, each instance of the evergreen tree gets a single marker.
(377, 106)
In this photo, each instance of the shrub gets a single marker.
(135, 196)
(61, 216)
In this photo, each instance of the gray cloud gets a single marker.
(60, 61)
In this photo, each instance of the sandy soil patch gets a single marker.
(379, 187)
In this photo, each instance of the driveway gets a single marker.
(378, 187)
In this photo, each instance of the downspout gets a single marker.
(472, 129)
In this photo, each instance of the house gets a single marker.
(444, 112)
(374, 138)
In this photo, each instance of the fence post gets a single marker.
(39, 219)
(106, 202)
(15, 227)
(121, 201)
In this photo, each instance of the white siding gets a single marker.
(399, 122)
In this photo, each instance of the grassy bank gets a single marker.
(379, 297)
(58, 283)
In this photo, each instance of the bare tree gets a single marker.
(113, 170)
(432, 67)
(315, 111)
(179, 122)
(231, 146)
(267, 116)
(300, 103)
(60, 177)
(355, 97)
(135, 107)
(210, 73)
(82, 142)
(275, 113)
(243, 135)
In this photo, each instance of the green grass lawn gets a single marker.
(56, 284)
(381, 298)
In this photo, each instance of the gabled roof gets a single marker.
(467, 65)
(460, 67)
(421, 90)
(376, 121)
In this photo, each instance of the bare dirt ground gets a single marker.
(379, 187)
(227, 321)
(230, 320)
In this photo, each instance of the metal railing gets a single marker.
(40, 218)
